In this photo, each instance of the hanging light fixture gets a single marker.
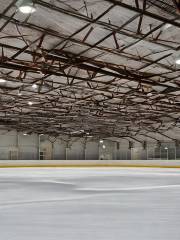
(26, 6)
(2, 80)
(167, 26)
(34, 86)
(178, 61)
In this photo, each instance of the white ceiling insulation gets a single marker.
(106, 67)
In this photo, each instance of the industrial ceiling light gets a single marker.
(26, 6)
(104, 146)
(167, 25)
(178, 61)
(25, 134)
(101, 141)
(149, 94)
(2, 80)
(34, 86)
(30, 103)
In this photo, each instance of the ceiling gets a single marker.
(100, 68)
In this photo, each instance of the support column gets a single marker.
(17, 144)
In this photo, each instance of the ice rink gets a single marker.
(89, 204)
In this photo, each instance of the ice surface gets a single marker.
(89, 204)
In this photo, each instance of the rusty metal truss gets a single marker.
(91, 68)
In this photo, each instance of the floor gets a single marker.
(89, 204)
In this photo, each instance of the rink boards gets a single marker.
(90, 163)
